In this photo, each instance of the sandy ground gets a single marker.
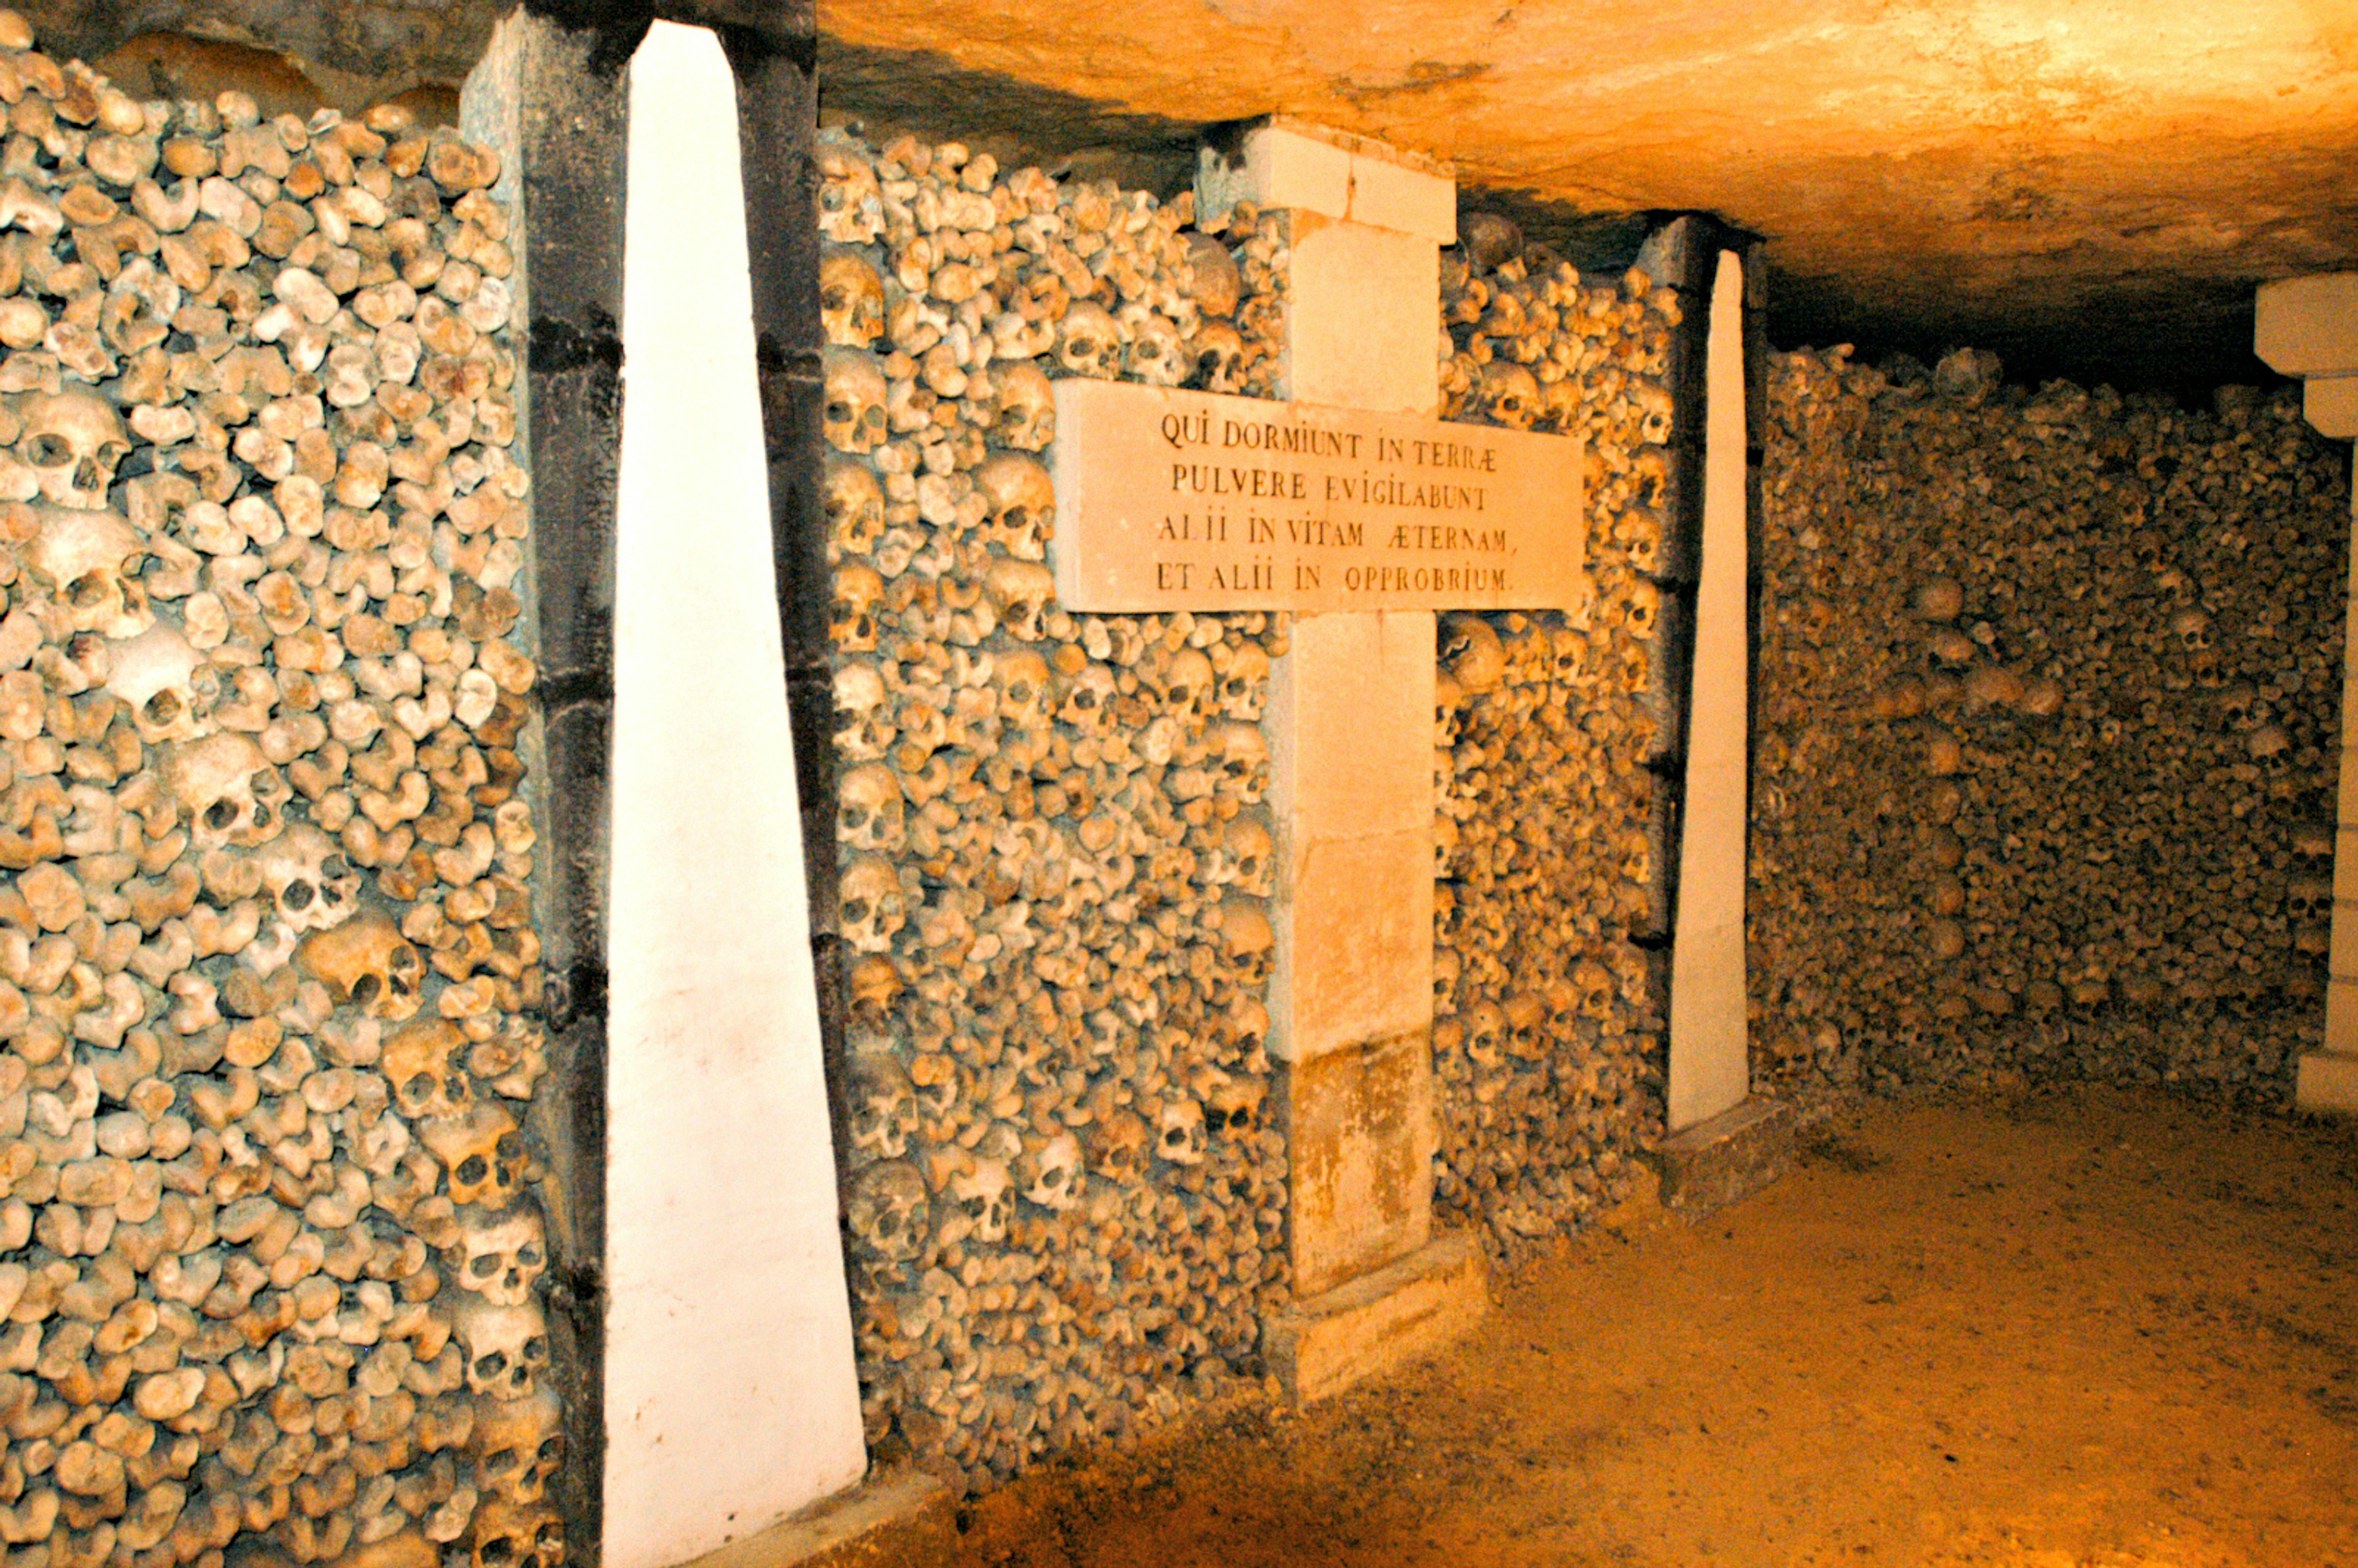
(2091, 1329)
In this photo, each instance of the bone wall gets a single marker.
(1548, 1037)
(265, 950)
(1066, 1213)
(2046, 739)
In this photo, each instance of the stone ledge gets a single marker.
(2331, 403)
(1734, 1154)
(902, 1518)
(1400, 1313)
(2327, 1084)
(2308, 326)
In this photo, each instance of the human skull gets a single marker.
(518, 1445)
(2309, 899)
(1249, 849)
(1527, 1015)
(507, 1535)
(1243, 761)
(1021, 592)
(873, 907)
(501, 1255)
(855, 506)
(1232, 1106)
(1509, 394)
(1156, 355)
(857, 591)
(2192, 629)
(367, 963)
(851, 204)
(90, 561)
(1218, 286)
(1027, 406)
(482, 1151)
(72, 442)
(1021, 680)
(1471, 652)
(1051, 1172)
(1179, 1131)
(870, 816)
(1185, 685)
(1563, 1009)
(864, 727)
(1244, 683)
(1088, 702)
(889, 1210)
(884, 1106)
(420, 1061)
(985, 1195)
(851, 301)
(310, 883)
(853, 418)
(1216, 357)
(155, 675)
(228, 791)
(1248, 940)
(1595, 982)
(1089, 342)
(1022, 503)
(506, 1347)
(1486, 1034)
(1118, 1142)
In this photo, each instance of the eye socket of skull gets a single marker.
(49, 450)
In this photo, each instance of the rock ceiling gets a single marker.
(2089, 188)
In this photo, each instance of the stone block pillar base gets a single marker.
(1731, 1156)
(1400, 1313)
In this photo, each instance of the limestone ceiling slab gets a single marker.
(2104, 178)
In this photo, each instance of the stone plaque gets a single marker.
(1172, 500)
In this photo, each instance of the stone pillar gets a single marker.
(2308, 327)
(732, 1397)
(1710, 1053)
(1351, 727)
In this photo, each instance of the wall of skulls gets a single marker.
(2046, 749)
(1065, 1212)
(1547, 1043)
(270, 1250)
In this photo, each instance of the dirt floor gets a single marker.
(2092, 1329)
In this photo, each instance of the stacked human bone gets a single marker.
(2048, 700)
(264, 941)
(1064, 1205)
(1546, 1040)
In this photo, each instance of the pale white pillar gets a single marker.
(2308, 327)
(730, 1394)
(1710, 1060)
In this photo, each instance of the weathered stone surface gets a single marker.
(1735, 1153)
(2102, 183)
(1172, 500)
(1380, 1321)
(895, 1518)
(1360, 1133)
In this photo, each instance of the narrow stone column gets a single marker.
(731, 1396)
(2308, 327)
(1351, 727)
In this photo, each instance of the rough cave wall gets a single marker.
(1066, 1214)
(272, 1254)
(1548, 1033)
(2048, 691)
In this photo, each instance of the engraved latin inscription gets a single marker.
(1169, 499)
